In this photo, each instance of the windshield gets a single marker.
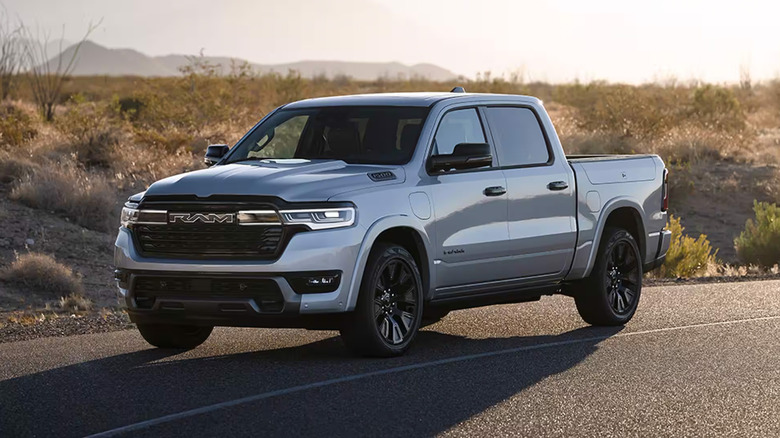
(354, 134)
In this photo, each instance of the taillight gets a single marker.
(665, 204)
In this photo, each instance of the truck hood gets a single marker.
(292, 180)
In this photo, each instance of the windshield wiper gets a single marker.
(248, 159)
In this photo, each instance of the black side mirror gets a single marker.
(464, 156)
(215, 152)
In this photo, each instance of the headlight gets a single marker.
(129, 214)
(320, 218)
(132, 215)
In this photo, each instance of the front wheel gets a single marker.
(389, 307)
(610, 295)
(174, 336)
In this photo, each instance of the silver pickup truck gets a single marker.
(377, 214)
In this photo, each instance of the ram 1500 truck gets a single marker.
(377, 214)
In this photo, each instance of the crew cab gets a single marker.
(377, 214)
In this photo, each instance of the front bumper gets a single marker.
(334, 250)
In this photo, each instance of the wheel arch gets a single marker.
(624, 213)
(401, 230)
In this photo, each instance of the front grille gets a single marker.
(265, 292)
(209, 241)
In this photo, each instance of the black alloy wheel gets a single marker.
(622, 277)
(388, 312)
(610, 295)
(395, 301)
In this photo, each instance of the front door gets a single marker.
(470, 209)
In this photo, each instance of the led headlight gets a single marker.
(132, 215)
(320, 218)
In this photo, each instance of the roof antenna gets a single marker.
(458, 90)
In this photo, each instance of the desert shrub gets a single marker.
(85, 198)
(622, 110)
(13, 168)
(16, 127)
(176, 111)
(92, 129)
(687, 257)
(717, 108)
(75, 302)
(759, 243)
(130, 107)
(44, 274)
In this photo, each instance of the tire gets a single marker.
(610, 295)
(389, 307)
(174, 336)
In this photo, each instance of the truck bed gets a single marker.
(605, 157)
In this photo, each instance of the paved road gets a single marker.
(697, 360)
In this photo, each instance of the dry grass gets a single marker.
(86, 198)
(75, 303)
(42, 274)
(15, 168)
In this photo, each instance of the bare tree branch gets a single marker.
(10, 53)
(46, 75)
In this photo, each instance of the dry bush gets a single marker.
(759, 243)
(75, 302)
(86, 198)
(14, 168)
(138, 165)
(687, 257)
(717, 108)
(622, 110)
(16, 126)
(92, 130)
(44, 274)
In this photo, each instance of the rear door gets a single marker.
(542, 203)
(470, 209)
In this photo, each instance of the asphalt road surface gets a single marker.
(697, 360)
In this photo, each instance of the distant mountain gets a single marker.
(94, 59)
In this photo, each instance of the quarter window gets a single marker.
(459, 126)
(518, 135)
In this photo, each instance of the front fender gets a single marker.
(378, 227)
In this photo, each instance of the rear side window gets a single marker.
(456, 127)
(518, 136)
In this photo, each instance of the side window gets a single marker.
(519, 138)
(459, 126)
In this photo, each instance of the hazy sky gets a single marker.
(626, 41)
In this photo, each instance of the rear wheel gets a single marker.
(611, 294)
(174, 336)
(389, 308)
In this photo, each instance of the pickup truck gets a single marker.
(377, 214)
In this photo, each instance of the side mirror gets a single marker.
(464, 156)
(215, 152)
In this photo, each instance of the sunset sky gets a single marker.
(556, 41)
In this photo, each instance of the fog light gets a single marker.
(121, 277)
(314, 282)
(321, 281)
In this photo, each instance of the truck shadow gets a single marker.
(106, 393)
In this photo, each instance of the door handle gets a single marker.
(494, 191)
(558, 185)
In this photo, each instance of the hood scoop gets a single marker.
(384, 175)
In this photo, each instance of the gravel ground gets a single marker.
(64, 326)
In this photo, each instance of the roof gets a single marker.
(396, 99)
